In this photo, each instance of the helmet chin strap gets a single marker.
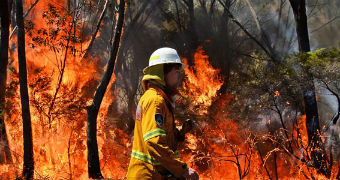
(172, 93)
(175, 98)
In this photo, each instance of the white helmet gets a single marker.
(163, 56)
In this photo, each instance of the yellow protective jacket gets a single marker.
(154, 154)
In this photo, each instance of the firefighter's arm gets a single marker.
(155, 137)
(165, 156)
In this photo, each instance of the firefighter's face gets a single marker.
(174, 77)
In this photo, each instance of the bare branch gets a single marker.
(336, 116)
(28, 11)
(97, 29)
(265, 38)
(263, 163)
(330, 21)
(231, 16)
(61, 75)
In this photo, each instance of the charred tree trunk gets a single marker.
(130, 31)
(5, 154)
(312, 118)
(275, 166)
(192, 37)
(192, 21)
(299, 10)
(225, 41)
(93, 108)
(101, 17)
(28, 169)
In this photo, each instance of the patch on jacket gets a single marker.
(159, 119)
(138, 111)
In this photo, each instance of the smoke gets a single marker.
(323, 23)
(333, 140)
(328, 105)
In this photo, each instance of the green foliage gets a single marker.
(322, 64)
(262, 84)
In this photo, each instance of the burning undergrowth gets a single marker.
(225, 146)
(219, 147)
(61, 83)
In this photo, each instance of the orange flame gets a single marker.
(60, 151)
(203, 81)
(59, 133)
(277, 93)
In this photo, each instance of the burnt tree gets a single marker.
(132, 27)
(318, 155)
(5, 154)
(93, 107)
(191, 30)
(28, 169)
(225, 39)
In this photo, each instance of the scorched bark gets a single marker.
(93, 108)
(5, 154)
(28, 169)
(318, 154)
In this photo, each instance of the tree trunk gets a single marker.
(94, 35)
(225, 41)
(192, 21)
(192, 37)
(93, 108)
(299, 10)
(5, 154)
(312, 118)
(28, 169)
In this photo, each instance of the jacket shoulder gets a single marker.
(151, 96)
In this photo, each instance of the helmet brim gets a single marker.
(149, 67)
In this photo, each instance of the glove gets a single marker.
(191, 174)
(188, 125)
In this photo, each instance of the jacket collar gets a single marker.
(170, 95)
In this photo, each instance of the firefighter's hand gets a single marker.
(188, 125)
(191, 174)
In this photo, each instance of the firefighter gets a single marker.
(154, 154)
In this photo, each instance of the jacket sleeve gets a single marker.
(155, 138)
